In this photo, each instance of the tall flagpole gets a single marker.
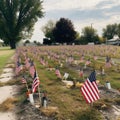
(39, 91)
(39, 94)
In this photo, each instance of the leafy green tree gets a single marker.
(17, 18)
(48, 30)
(77, 40)
(89, 34)
(47, 41)
(64, 31)
(118, 32)
(110, 31)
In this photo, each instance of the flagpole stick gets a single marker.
(27, 86)
(39, 94)
(38, 90)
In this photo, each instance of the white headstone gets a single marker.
(108, 85)
(31, 99)
(45, 103)
(65, 76)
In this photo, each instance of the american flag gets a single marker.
(108, 62)
(36, 82)
(23, 80)
(27, 62)
(57, 72)
(32, 69)
(88, 62)
(90, 89)
(42, 61)
(18, 67)
(82, 58)
(81, 73)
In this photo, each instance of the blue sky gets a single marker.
(82, 13)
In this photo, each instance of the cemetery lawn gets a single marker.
(70, 102)
(5, 54)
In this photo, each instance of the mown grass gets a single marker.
(5, 54)
(70, 102)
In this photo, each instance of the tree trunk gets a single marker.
(12, 44)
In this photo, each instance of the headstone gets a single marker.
(45, 103)
(65, 76)
(108, 85)
(31, 99)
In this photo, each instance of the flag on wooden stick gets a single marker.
(90, 89)
(32, 69)
(36, 82)
(18, 67)
(81, 73)
(57, 72)
(23, 80)
(108, 62)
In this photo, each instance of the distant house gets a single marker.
(114, 41)
(22, 43)
(91, 43)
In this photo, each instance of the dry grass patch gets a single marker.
(2, 84)
(8, 104)
(50, 111)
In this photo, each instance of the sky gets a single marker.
(82, 13)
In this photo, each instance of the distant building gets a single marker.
(22, 43)
(91, 43)
(114, 41)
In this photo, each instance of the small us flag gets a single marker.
(36, 82)
(89, 89)
(23, 80)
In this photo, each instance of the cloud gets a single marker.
(107, 4)
(67, 4)
(98, 12)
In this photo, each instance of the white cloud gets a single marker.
(67, 4)
(82, 13)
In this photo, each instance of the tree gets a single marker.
(47, 41)
(17, 18)
(89, 34)
(48, 30)
(27, 41)
(110, 31)
(118, 32)
(64, 31)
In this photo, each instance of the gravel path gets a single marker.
(7, 92)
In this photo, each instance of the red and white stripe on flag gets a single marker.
(23, 80)
(32, 70)
(36, 83)
(57, 72)
(90, 91)
(81, 73)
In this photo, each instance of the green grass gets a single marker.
(5, 54)
(70, 102)
(4, 48)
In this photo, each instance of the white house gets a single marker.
(114, 41)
